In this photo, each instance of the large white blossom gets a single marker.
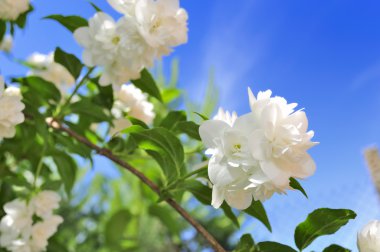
(43, 65)
(6, 44)
(11, 9)
(20, 232)
(132, 101)
(11, 108)
(369, 237)
(255, 155)
(146, 31)
(117, 47)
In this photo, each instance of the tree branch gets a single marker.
(108, 153)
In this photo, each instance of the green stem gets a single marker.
(194, 172)
(79, 85)
(39, 167)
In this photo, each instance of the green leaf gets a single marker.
(86, 108)
(297, 186)
(336, 248)
(3, 29)
(172, 119)
(116, 226)
(97, 9)
(67, 169)
(230, 214)
(257, 210)
(165, 148)
(147, 84)
(321, 222)
(68, 61)
(176, 122)
(246, 244)
(202, 116)
(166, 217)
(21, 20)
(46, 90)
(138, 122)
(189, 128)
(274, 247)
(70, 22)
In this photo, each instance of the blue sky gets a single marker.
(324, 55)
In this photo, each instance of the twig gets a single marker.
(108, 153)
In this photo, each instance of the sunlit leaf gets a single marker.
(70, 22)
(323, 221)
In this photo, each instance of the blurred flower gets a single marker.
(11, 9)
(373, 161)
(45, 202)
(45, 67)
(20, 232)
(11, 108)
(132, 101)
(147, 30)
(6, 44)
(255, 155)
(369, 237)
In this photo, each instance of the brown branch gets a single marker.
(108, 153)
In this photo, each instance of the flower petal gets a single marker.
(211, 130)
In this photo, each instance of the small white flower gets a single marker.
(369, 237)
(11, 9)
(45, 202)
(7, 44)
(162, 23)
(226, 116)
(42, 231)
(45, 67)
(11, 108)
(117, 47)
(132, 101)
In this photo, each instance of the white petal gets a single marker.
(239, 199)
(211, 130)
(217, 196)
(259, 145)
(252, 98)
(122, 6)
(279, 177)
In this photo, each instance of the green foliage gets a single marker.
(321, 222)
(68, 61)
(147, 84)
(116, 227)
(296, 185)
(165, 148)
(67, 169)
(336, 248)
(246, 244)
(176, 122)
(274, 247)
(70, 22)
(257, 210)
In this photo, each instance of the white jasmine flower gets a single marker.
(117, 47)
(6, 44)
(42, 231)
(11, 108)
(20, 233)
(162, 23)
(280, 140)
(45, 202)
(11, 9)
(369, 237)
(131, 100)
(45, 67)
(254, 155)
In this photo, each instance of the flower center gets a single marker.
(237, 148)
(116, 40)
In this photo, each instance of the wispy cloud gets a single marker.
(229, 50)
